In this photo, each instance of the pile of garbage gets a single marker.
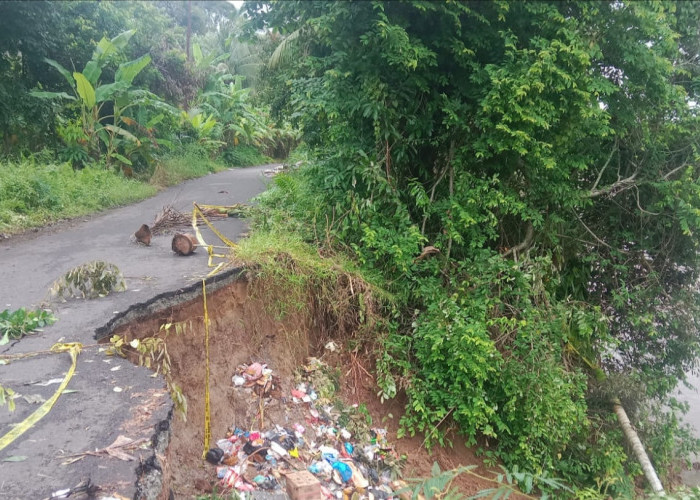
(346, 465)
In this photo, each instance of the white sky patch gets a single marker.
(236, 3)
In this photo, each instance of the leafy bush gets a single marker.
(243, 156)
(524, 177)
(89, 281)
(15, 324)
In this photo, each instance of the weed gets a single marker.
(91, 280)
(291, 276)
(7, 398)
(16, 324)
(439, 485)
(152, 352)
(232, 495)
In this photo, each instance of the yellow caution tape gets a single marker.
(74, 349)
(207, 413)
(197, 211)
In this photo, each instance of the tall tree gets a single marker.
(549, 151)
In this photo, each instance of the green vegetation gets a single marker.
(15, 324)
(500, 200)
(7, 397)
(34, 192)
(523, 177)
(89, 281)
(126, 95)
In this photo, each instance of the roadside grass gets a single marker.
(35, 192)
(188, 162)
(291, 276)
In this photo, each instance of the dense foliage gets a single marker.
(124, 83)
(154, 91)
(525, 176)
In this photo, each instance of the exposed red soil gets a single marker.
(242, 331)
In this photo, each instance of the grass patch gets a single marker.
(188, 162)
(291, 277)
(244, 156)
(33, 194)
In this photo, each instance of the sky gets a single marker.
(237, 3)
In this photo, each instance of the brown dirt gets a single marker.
(242, 331)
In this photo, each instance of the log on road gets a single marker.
(184, 244)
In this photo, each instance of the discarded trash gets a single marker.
(314, 457)
(343, 470)
(258, 376)
(215, 456)
(303, 486)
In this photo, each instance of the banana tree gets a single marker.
(107, 129)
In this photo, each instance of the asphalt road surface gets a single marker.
(107, 397)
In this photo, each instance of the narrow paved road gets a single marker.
(107, 397)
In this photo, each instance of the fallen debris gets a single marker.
(169, 218)
(184, 244)
(271, 172)
(83, 487)
(116, 450)
(143, 235)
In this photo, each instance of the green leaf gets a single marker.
(85, 90)
(108, 91)
(197, 53)
(122, 39)
(62, 70)
(121, 158)
(128, 70)
(124, 133)
(103, 49)
(92, 72)
(15, 458)
(155, 120)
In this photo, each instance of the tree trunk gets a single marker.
(184, 244)
(143, 235)
(189, 30)
(637, 447)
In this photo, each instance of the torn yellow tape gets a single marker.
(198, 212)
(74, 349)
